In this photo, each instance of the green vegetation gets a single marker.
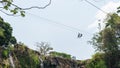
(15, 10)
(97, 61)
(96, 64)
(26, 57)
(7, 4)
(6, 34)
(5, 53)
(22, 56)
(62, 55)
(108, 41)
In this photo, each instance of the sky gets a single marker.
(44, 25)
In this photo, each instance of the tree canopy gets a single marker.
(108, 40)
(6, 34)
(43, 48)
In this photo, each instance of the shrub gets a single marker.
(97, 61)
(62, 55)
(96, 64)
(5, 53)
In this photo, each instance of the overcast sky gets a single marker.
(45, 24)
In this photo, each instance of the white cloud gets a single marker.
(110, 7)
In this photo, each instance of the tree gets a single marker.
(43, 48)
(15, 9)
(108, 41)
(97, 61)
(6, 34)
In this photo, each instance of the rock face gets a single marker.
(57, 62)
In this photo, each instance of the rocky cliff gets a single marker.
(57, 62)
(20, 56)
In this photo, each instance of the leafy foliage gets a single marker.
(96, 64)
(5, 53)
(96, 61)
(6, 33)
(26, 57)
(9, 6)
(15, 9)
(108, 41)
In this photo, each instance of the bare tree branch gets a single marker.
(19, 9)
(8, 13)
(33, 6)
